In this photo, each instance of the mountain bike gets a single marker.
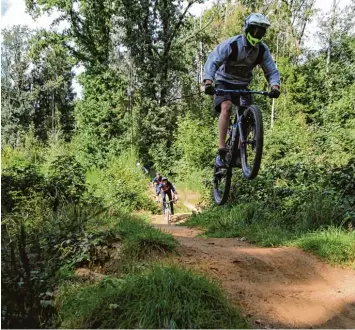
(167, 211)
(244, 143)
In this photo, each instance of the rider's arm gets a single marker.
(271, 73)
(216, 58)
(173, 189)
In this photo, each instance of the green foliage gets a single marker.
(162, 297)
(156, 43)
(66, 180)
(245, 220)
(16, 108)
(52, 222)
(149, 242)
(90, 26)
(121, 184)
(289, 142)
(271, 223)
(17, 184)
(100, 117)
(140, 92)
(36, 89)
(41, 247)
(195, 145)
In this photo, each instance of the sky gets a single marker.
(13, 12)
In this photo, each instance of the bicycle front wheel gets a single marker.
(252, 148)
(167, 215)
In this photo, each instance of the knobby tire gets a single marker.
(221, 197)
(167, 214)
(252, 116)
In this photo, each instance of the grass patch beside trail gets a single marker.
(141, 241)
(241, 221)
(265, 228)
(333, 244)
(149, 242)
(91, 234)
(162, 297)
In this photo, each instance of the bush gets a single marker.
(66, 181)
(42, 247)
(18, 183)
(162, 297)
(121, 184)
(195, 145)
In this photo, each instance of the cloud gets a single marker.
(14, 13)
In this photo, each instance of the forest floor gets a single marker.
(281, 287)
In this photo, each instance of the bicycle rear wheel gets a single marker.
(251, 150)
(222, 180)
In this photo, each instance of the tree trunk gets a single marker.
(330, 36)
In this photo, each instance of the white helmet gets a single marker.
(256, 19)
(255, 27)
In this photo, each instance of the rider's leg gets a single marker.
(223, 123)
(163, 196)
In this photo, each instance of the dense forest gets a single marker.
(69, 177)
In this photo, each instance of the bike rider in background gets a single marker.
(156, 182)
(231, 65)
(166, 188)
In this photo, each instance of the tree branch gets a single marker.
(195, 34)
(177, 26)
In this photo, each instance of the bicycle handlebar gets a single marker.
(221, 92)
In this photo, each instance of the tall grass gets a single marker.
(162, 297)
(316, 225)
(333, 244)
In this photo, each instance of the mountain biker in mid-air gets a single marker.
(166, 187)
(156, 182)
(231, 65)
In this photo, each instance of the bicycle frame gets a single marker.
(168, 202)
(239, 118)
(238, 142)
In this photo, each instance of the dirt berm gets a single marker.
(276, 287)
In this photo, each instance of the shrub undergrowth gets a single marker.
(55, 219)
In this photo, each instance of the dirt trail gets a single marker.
(276, 287)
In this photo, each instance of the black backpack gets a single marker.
(234, 53)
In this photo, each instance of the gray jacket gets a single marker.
(220, 67)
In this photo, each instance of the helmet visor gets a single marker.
(257, 32)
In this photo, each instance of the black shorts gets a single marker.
(245, 100)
